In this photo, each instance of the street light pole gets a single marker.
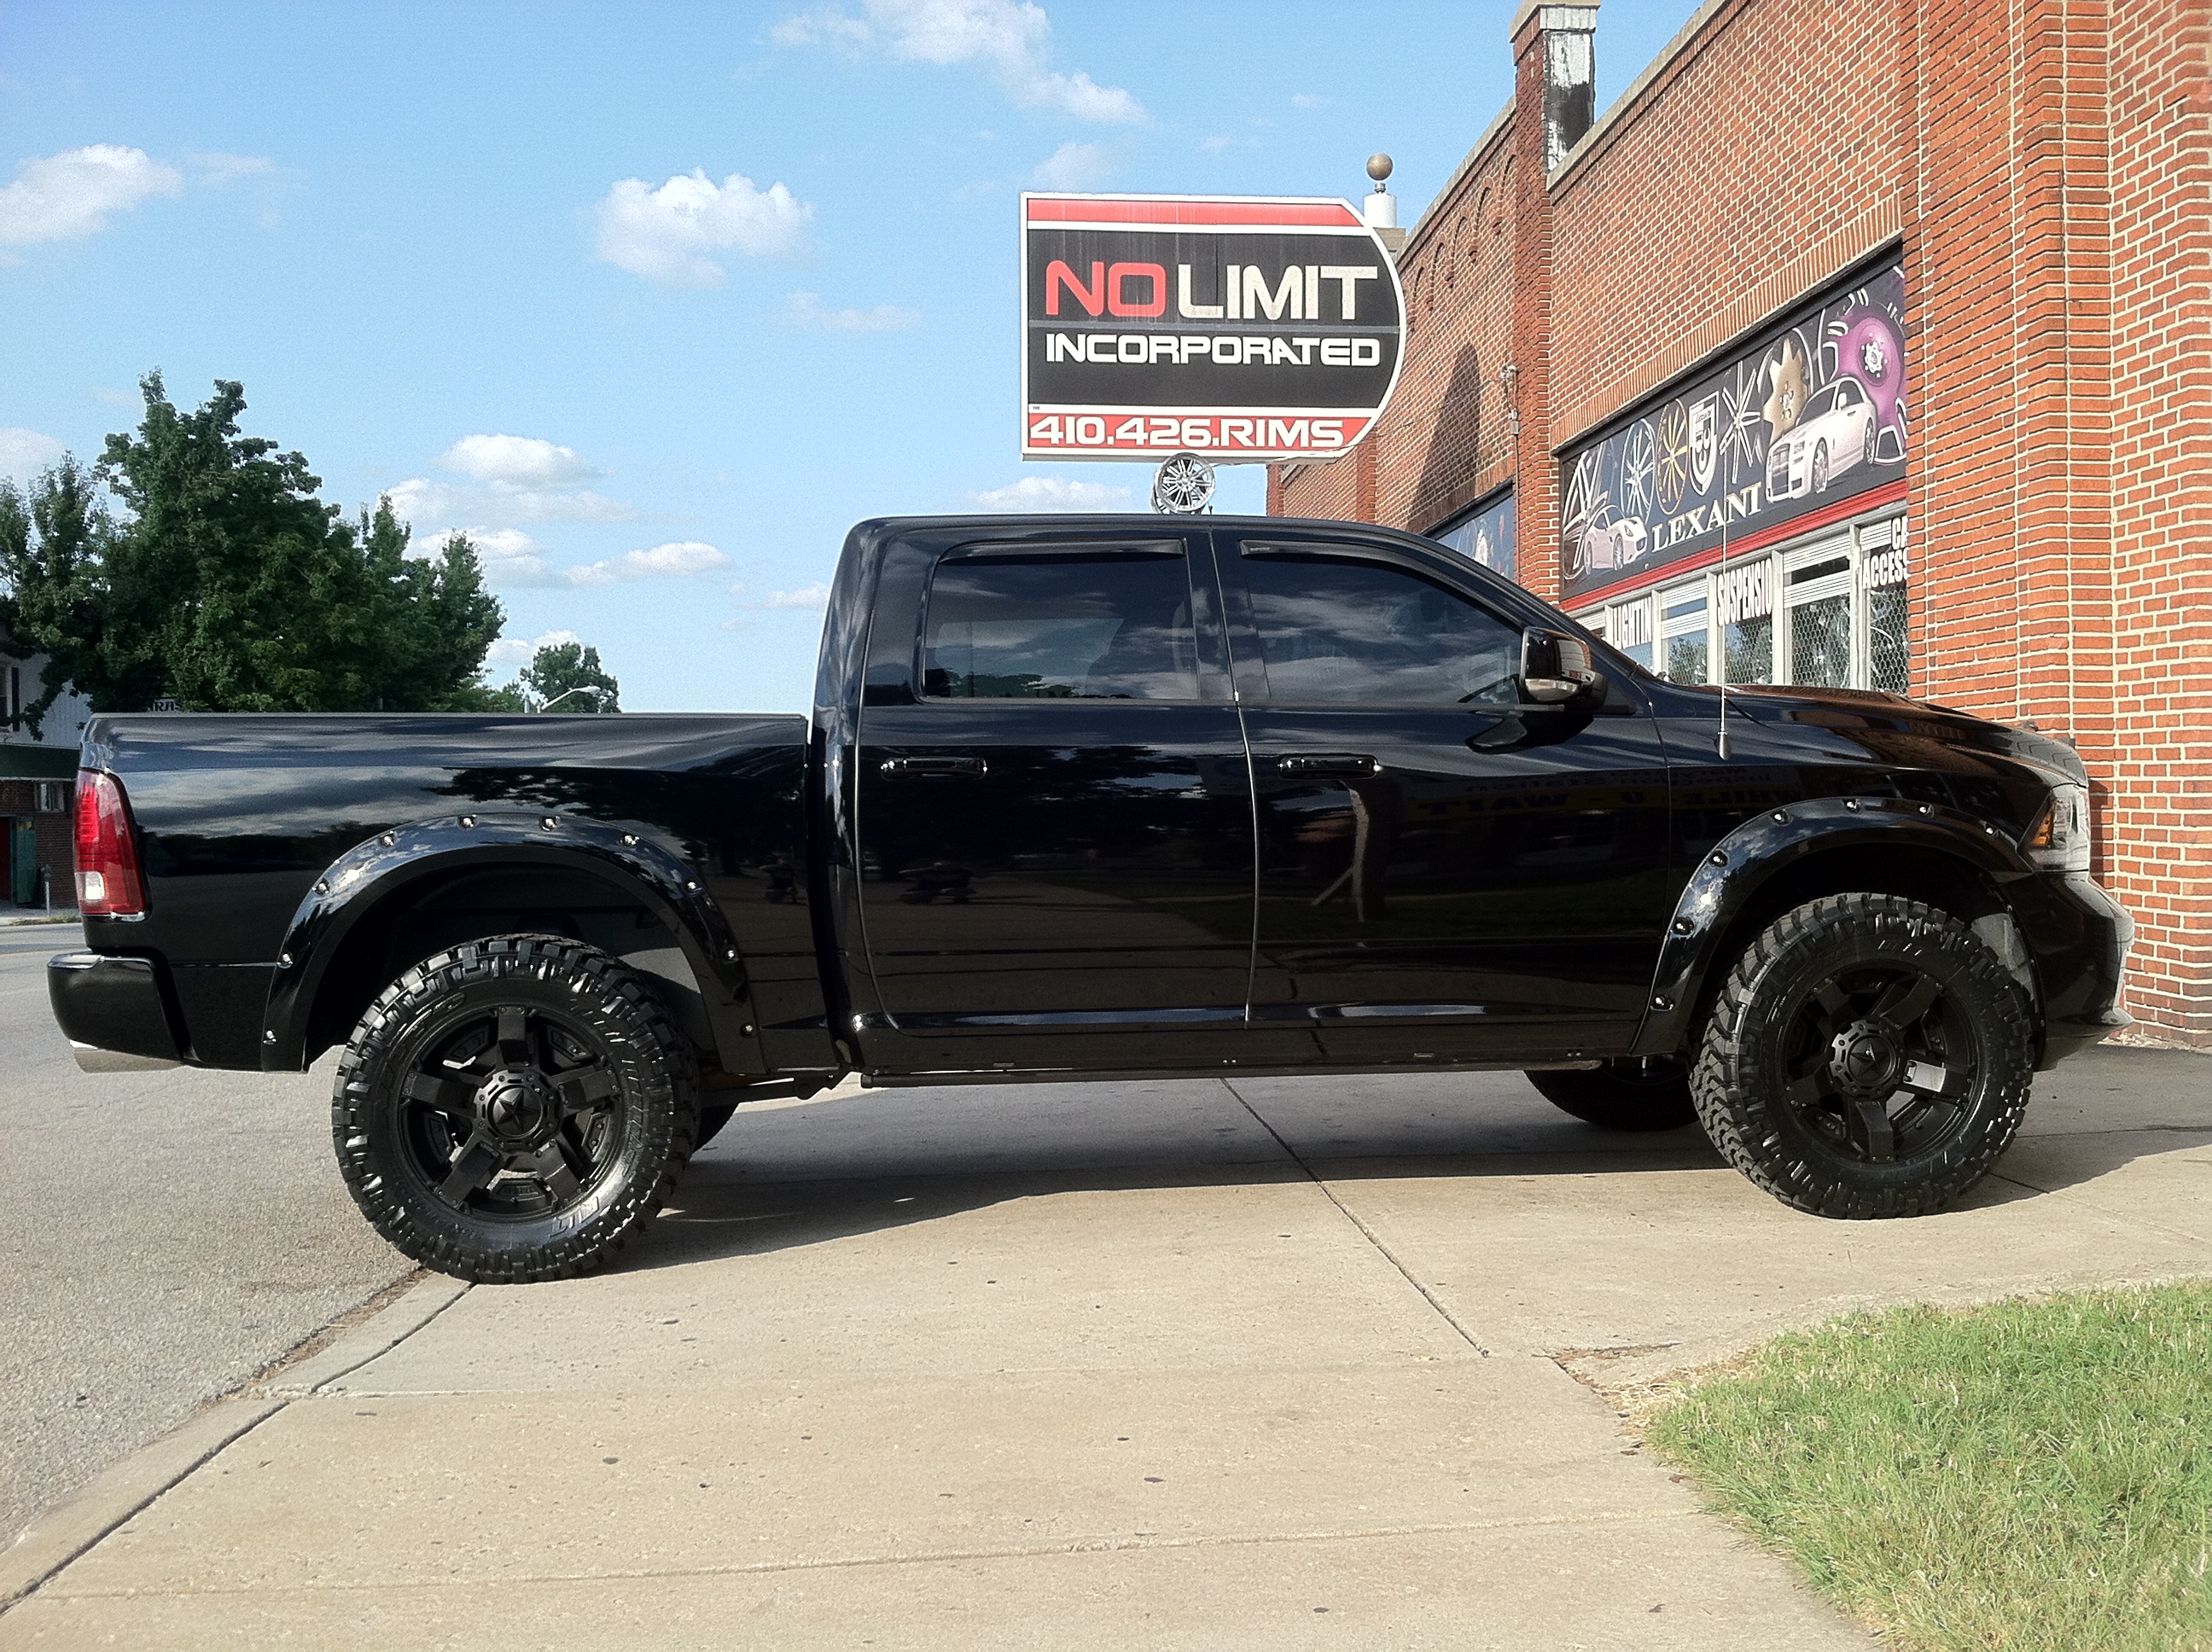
(564, 694)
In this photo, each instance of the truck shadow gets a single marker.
(801, 1175)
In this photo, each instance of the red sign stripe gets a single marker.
(1332, 213)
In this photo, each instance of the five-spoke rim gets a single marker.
(1878, 1063)
(511, 1111)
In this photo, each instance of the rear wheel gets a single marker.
(1630, 1094)
(1867, 1056)
(511, 1109)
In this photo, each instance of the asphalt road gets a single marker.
(163, 1236)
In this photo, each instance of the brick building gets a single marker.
(38, 776)
(1908, 301)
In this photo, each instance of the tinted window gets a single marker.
(1349, 633)
(1061, 628)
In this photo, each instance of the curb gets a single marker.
(415, 1308)
(66, 1531)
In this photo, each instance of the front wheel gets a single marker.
(511, 1109)
(1628, 1095)
(1867, 1056)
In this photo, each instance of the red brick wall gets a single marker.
(2158, 816)
(57, 850)
(2047, 166)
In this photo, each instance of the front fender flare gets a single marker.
(373, 872)
(1730, 874)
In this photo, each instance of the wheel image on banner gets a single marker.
(1637, 462)
(1578, 513)
(1183, 486)
(1673, 439)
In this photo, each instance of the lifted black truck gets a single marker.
(1087, 797)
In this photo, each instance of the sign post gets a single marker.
(1242, 330)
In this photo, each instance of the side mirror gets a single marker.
(1556, 669)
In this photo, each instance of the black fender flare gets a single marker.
(1730, 874)
(393, 861)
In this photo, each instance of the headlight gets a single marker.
(2059, 839)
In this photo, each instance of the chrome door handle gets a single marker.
(924, 768)
(1328, 763)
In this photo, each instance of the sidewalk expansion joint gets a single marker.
(920, 1557)
(1366, 1232)
(2095, 1209)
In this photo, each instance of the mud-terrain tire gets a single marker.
(1630, 1094)
(509, 1110)
(1867, 1056)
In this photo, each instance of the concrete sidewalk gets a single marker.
(1288, 1363)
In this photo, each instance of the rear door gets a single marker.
(1445, 871)
(1053, 809)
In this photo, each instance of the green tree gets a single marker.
(570, 673)
(53, 547)
(231, 586)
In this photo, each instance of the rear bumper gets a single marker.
(114, 1011)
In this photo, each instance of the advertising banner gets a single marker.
(1484, 536)
(1238, 328)
(1810, 418)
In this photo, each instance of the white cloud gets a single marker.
(24, 453)
(1075, 165)
(418, 499)
(662, 233)
(67, 196)
(217, 167)
(1052, 493)
(804, 310)
(816, 595)
(1309, 100)
(518, 652)
(1012, 38)
(517, 461)
(678, 559)
(514, 480)
(510, 557)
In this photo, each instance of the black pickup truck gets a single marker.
(1085, 797)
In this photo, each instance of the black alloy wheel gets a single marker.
(1867, 1056)
(511, 1109)
(1632, 1094)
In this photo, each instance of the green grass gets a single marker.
(2029, 1475)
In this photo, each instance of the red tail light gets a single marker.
(107, 881)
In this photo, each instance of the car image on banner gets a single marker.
(1239, 329)
(1835, 432)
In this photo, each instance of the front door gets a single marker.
(1445, 871)
(1054, 823)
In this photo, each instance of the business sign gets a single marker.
(1240, 328)
(1809, 420)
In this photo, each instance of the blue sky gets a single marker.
(655, 300)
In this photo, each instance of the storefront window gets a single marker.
(1889, 655)
(1831, 613)
(1686, 652)
(1631, 630)
(1820, 600)
(1746, 596)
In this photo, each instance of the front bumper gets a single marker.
(2080, 937)
(114, 1011)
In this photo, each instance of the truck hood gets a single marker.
(1871, 710)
